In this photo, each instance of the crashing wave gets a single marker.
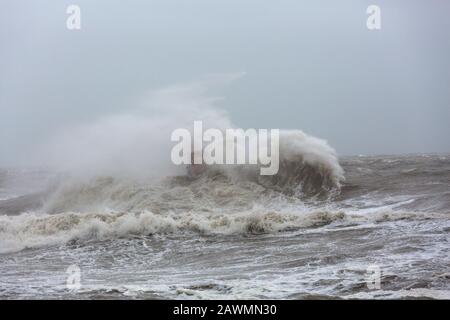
(307, 164)
(30, 230)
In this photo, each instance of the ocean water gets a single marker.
(313, 231)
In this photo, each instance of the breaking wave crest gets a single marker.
(118, 180)
(308, 167)
(224, 200)
(34, 230)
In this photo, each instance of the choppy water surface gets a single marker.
(221, 236)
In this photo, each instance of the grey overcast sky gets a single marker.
(311, 65)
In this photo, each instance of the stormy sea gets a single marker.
(319, 229)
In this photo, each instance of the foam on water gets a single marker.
(138, 227)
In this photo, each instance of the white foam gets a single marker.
(30, 230)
